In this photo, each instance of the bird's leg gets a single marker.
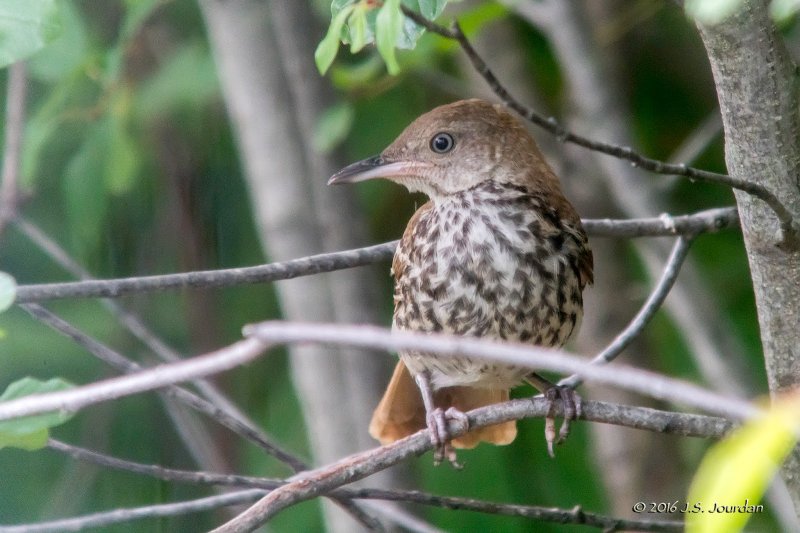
(436, 419)
(571, 402)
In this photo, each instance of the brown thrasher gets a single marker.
(498, 252)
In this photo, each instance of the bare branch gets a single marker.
(268, 334)
(707, 221)
(547, 514)
(410, 496)
(704, 221)
(647, 312)
(309, 485)
(118, 516)
(790, 238)
(305, 266)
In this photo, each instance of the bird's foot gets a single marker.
(440, 434)
(571, 404)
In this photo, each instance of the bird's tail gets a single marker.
(401, 411)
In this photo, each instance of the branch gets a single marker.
(15, 125)
(305, 266)
(646, 313)
(790, 238)
(269, 334)
(127, 515)
(409, 496)
(704, 221)
(319, 482)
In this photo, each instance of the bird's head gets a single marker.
(455, 147)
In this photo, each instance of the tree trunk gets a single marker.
(758, 94)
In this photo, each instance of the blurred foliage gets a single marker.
(129, 163)
(25, 27)
(736, 472)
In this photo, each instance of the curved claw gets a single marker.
(571, 404)
(437, 421)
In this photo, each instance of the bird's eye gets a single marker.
(441, 143)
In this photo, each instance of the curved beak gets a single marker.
(377, 167)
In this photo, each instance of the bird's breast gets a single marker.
(488, 263)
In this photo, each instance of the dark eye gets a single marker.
(442, 143)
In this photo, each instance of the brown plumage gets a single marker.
(497, 252)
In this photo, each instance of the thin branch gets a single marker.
(268, 334)
(643, 418)
(118, 516)
(305, 266)
(15, 125)
(707, 221)
(408, 496)
(704, 221)
(654, 302)
(547, 514)
(790, 238)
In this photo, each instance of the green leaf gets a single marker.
(67, 52)
(26, 26)
(736, 471)
(362, 28)
(711, 12)
(333, 126)
(388, 28)
(329, 46)
(31, 432)
(8, 291)
(357, 23)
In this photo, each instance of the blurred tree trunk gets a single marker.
(264, 54)
(757, 87)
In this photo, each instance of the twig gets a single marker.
(127, 515)
(409, 496)
(646, 313)
(305, 266)
(707, 221)
(790, 230)
(268, 334)
(704, 221)
(546, 514)
(14, 126)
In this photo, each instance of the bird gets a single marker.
(497, 252)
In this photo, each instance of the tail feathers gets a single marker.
(401, 412)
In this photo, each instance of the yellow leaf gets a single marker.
(734, 474)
